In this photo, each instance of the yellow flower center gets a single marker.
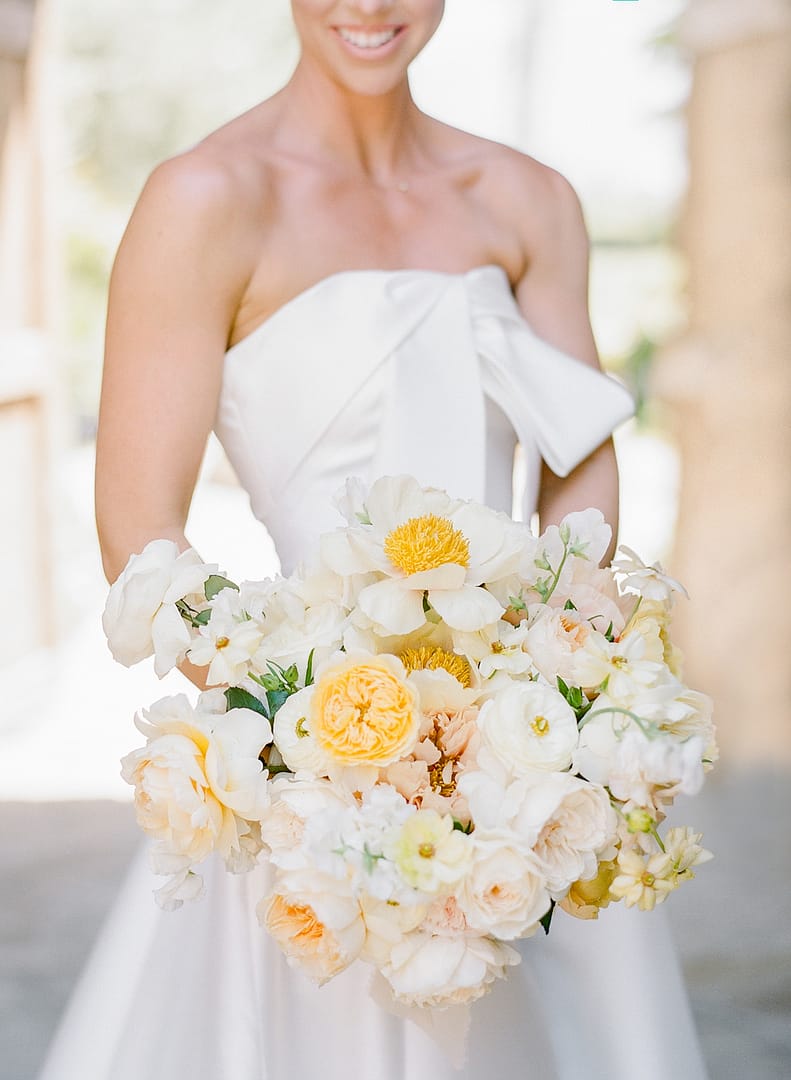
(222, 642)
(540, 726)
(436, 776)
(427, 851)
(620, 661)
(424, 543)
(432, 657)
(301, 728)
(648, 879)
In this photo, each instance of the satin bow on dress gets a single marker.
(403, 371)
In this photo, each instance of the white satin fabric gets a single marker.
(370, 372)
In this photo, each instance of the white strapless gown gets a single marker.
(365, 373)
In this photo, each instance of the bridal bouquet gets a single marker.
(434, 733)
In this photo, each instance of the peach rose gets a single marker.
(364, 712)
(318, 927)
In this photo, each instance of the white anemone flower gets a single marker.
(423, 543)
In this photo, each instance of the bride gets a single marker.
(340, 285)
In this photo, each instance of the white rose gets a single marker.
(426, 969)
(504, 892)
(293, 737)
(140, 617)
(529, 726)
(567, 822)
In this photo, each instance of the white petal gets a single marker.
(396, 609)
(468, 608)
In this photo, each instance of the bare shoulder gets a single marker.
(537, 201)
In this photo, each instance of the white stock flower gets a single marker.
(682, 845)
(428, 969)
(649, 581)
(529, 726)
(140, 617)
(421, 541)
(504, 892)
(297, 800)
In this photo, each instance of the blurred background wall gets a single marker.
(672, 121)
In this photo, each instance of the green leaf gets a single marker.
(270, 682)
(239, 698)
(563, 688)
(202, 618)
(275, 699)
(569, 606)
(459, 826)
(546, 920)
(291, 674)
(608, 632)
(517, 603)
(565, 532)
(216, 583)
(309, 669)
(542, 563)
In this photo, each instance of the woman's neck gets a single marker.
(377, 134)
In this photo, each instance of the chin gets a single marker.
(365, 54)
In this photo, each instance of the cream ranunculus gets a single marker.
(529, 726)
(429, 853)
(428, 969)
(420, 541)
(316, 922)
(293, 732)
(504, 892)
(140, 617)
(199, 783)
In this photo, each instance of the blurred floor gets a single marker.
(62, 864)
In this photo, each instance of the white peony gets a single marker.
(428, 969)
(529, 726)
(140, 617)
(421, 542)
(504, 892)
(199, 783)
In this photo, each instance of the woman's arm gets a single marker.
(175, 286)
(554, 297)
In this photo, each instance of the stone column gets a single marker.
(729, 380)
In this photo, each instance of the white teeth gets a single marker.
(364, 40)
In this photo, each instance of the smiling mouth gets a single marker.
(368, 39)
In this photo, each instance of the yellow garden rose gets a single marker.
(585, 898)
(364, 712)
